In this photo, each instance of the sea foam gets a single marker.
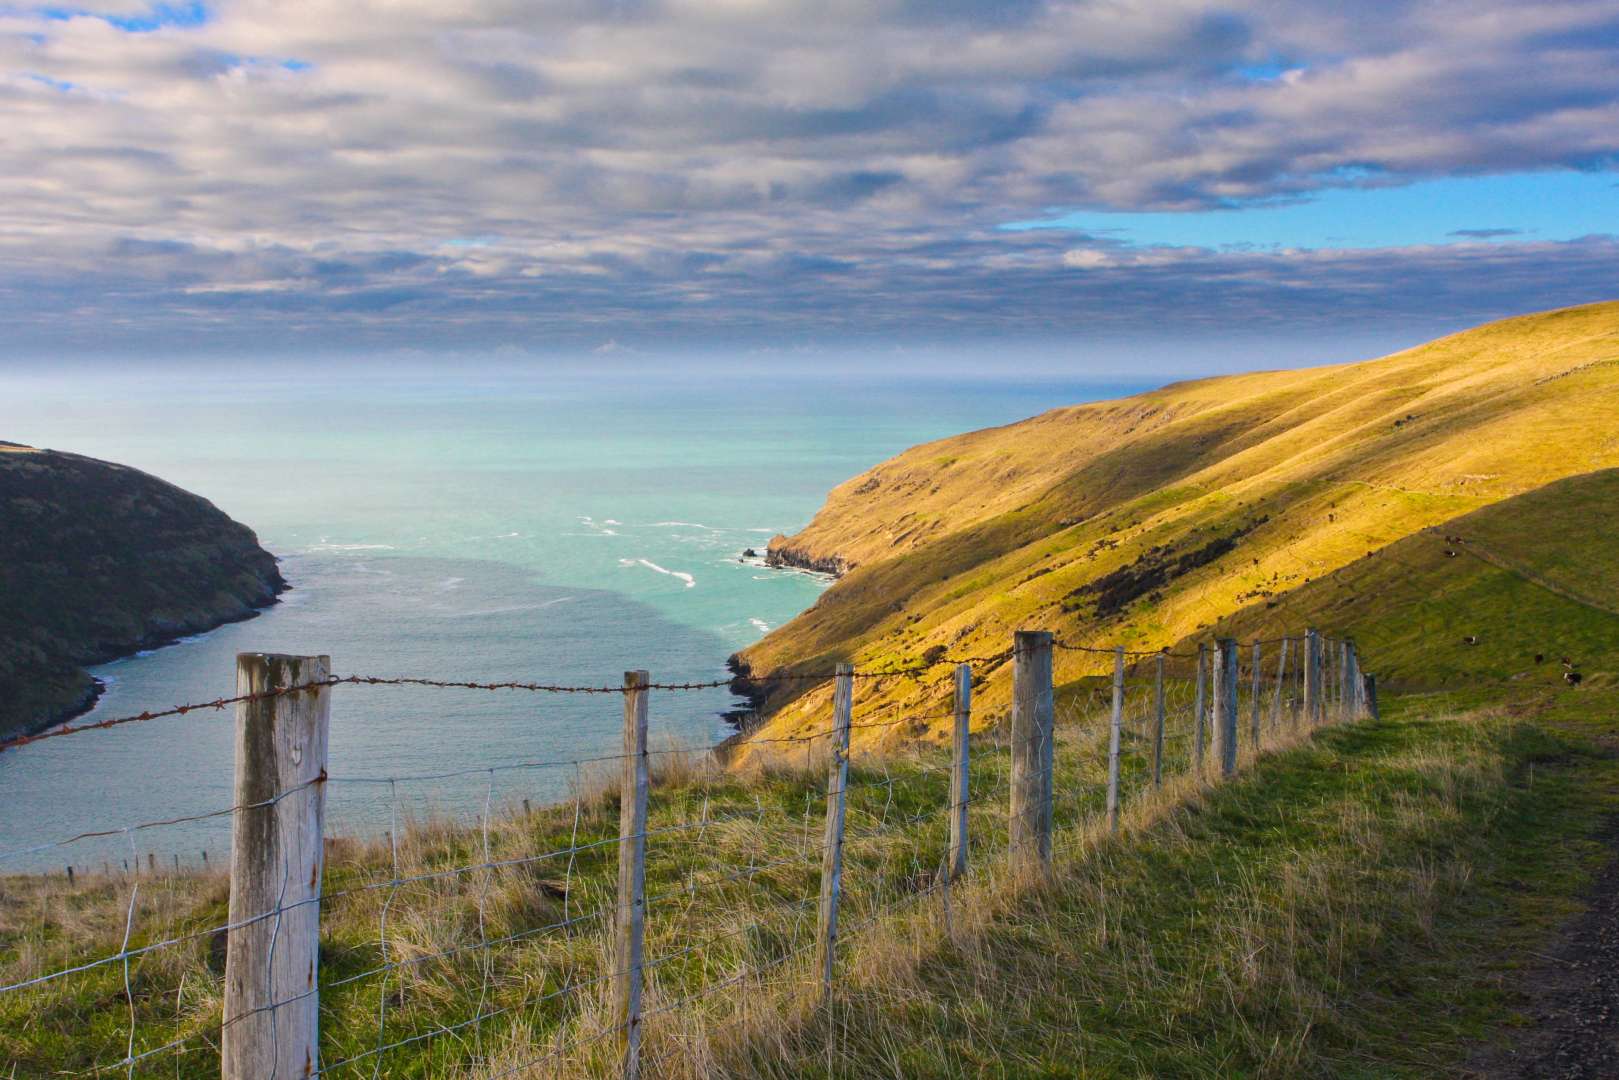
(690, 581)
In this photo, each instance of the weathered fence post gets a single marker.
(630, 926)
(1371, 696)
(1281, 683)
(1158, 724)
(1113, 740)
(1357, 687)
(959, 789)
(1225, 706)
(1258, 697)
(1033, 720)
(1335, 685)
(1312, 677)
(1341, 679)
(1324, 680)
(272, 951)
(837, 782)
(1198, 707)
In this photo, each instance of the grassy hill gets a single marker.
(1148, 519)
(1496, 599)
(1360, 901)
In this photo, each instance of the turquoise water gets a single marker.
(563, 528)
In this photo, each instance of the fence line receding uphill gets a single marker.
(578, 935)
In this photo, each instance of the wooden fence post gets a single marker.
(1281, 683)
(630, 926)
(1198, 707)
(1335, 681)
(959, 788)
(1371, 696)
(1225, 706)
(1357, 685)
(1312, 677)
(837, 782)
(1323, 680)
(1258, 697)
(1158, 724)
(1033, 720)
(1341, 680)
(1113, 740)
(272, 952)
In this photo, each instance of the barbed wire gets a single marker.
(457, 684)
(887, 835)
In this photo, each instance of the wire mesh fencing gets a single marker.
(582, 934)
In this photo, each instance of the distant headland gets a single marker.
(98, 561)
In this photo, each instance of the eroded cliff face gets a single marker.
(782, 553)
(97, 561)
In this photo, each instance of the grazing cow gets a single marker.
(1540, 658)
(1470, 639)
(1572, 677)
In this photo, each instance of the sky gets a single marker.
(1127, 183)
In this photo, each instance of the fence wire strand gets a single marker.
(723, 860)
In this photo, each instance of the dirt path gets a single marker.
(1573, 995)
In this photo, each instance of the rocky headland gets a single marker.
(98, 561)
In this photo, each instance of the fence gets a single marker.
(666, 884)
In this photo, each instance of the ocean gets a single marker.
(481, 524)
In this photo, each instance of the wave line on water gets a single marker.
(691, 582)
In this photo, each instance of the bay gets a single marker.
(486, 523)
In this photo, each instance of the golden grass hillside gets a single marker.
(1522, 595)
(1147, 519)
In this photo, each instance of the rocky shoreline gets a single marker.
(743, 686)
(779, 555)
(94, 687)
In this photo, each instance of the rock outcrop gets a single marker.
(779, 554)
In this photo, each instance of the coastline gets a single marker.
(781, 557)
(743, 685)
(95, 687)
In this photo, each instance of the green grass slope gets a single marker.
(1498, 598)
(1148, 519)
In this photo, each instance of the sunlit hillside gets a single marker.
(1147, 519)
(1518, 594)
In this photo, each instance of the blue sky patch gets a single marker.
(1511, 207)
(156, 17)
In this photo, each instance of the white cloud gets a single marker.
(651, 153)
(1086, 259)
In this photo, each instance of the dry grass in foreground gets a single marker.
(1342, 908)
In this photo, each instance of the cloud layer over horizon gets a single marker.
(259, 174)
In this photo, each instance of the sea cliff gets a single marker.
(98, 561)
